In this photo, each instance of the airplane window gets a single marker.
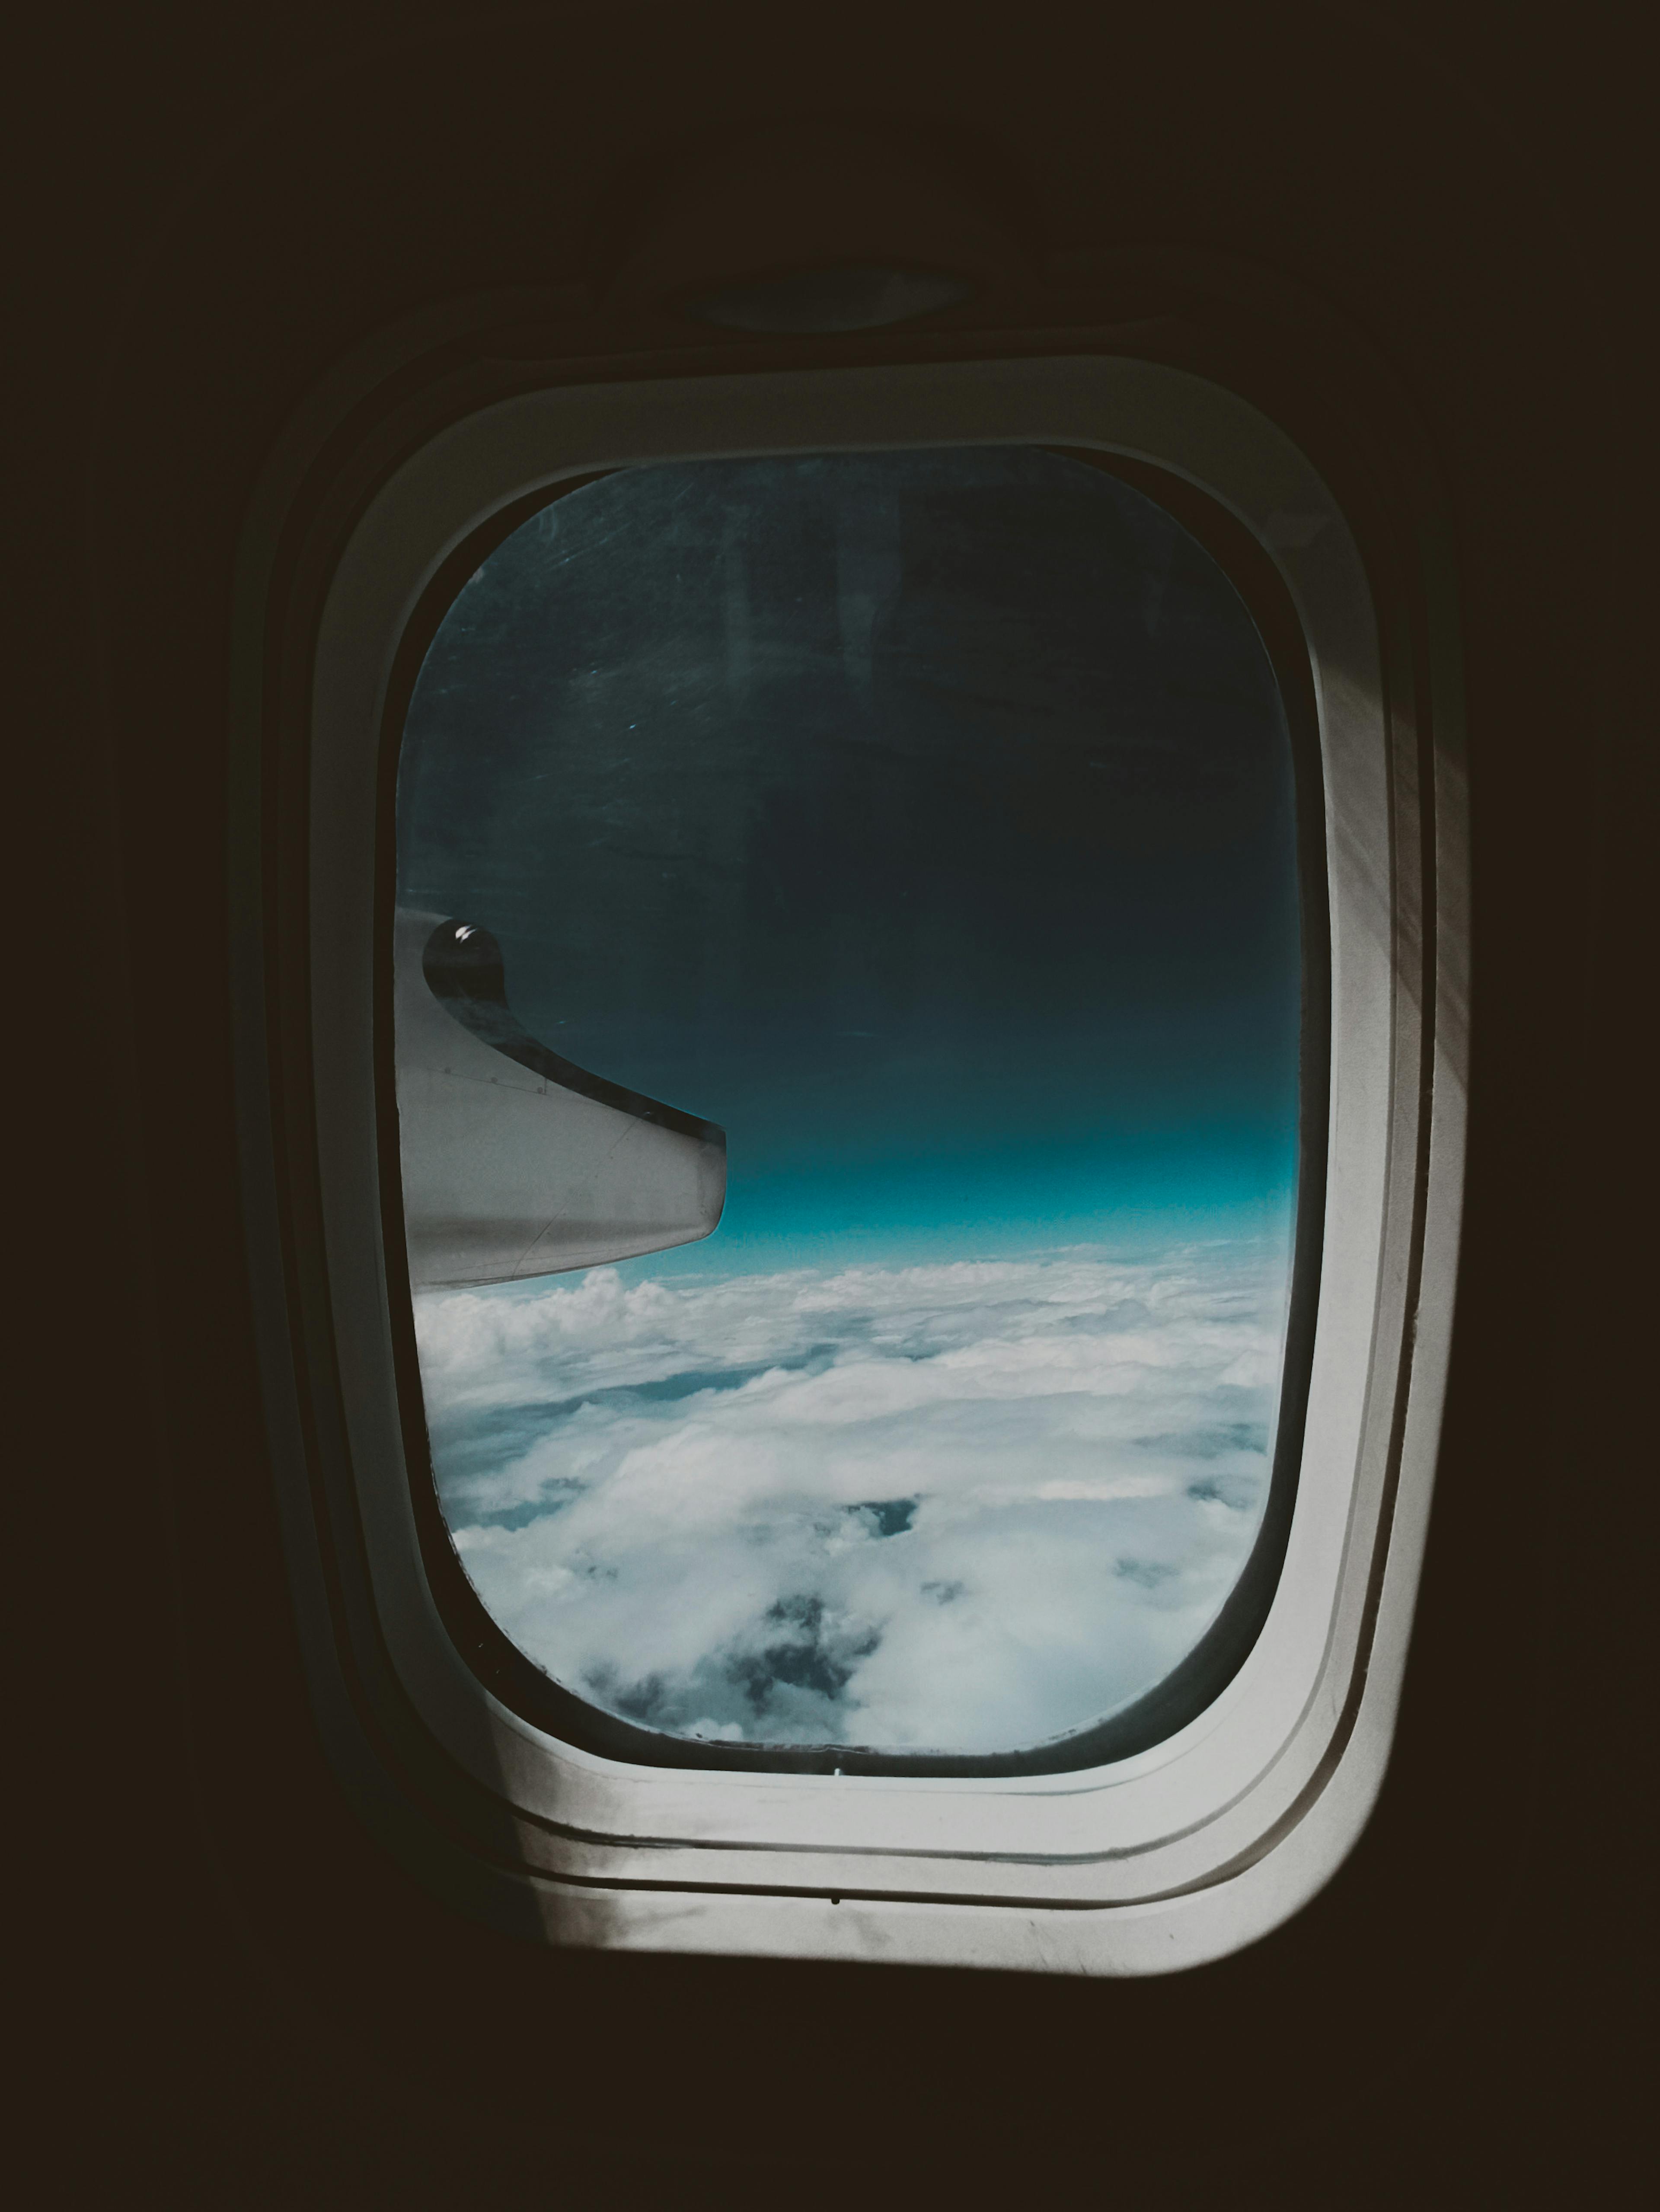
(852, 1041)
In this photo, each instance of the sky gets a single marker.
(925, 819)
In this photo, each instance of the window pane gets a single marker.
(903, 847)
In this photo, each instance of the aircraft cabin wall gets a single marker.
(249, 1999)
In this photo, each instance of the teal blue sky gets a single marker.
(1135, 1197)
(925, 819)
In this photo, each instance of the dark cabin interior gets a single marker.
(241, 2000)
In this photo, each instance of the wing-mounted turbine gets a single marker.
(515, 1162)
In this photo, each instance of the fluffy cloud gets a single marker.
(964, 1507)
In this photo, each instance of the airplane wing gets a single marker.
(515, 1162)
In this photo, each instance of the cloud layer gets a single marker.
(965, 1508)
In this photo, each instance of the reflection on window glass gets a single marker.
(921, 825)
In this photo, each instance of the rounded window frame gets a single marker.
(1191, 1846)
(1203, 1671)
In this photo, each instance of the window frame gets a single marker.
(1189, 1849)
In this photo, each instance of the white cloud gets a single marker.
(963, 1507)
